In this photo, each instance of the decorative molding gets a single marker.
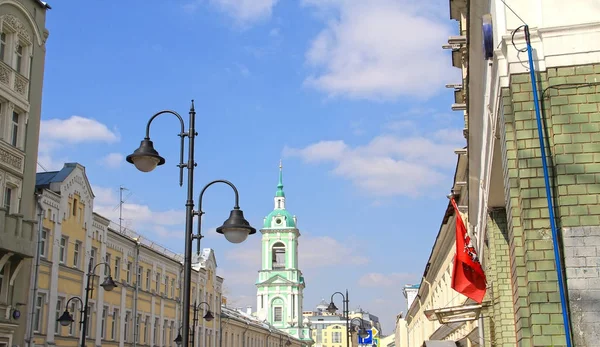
(13, 24)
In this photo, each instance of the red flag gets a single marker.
(468, 277)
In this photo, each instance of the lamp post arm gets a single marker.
(200, 212)
(340, 293)
(80, 306)
(163, 112)
(205, 303)
(182, 135)
(93, 270)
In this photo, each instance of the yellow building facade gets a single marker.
(145, 307)
(329, 330)
(241, 329)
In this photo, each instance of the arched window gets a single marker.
(278, 256)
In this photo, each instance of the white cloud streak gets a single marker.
(388, 165)
(378, 49)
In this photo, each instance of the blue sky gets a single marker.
(350, 94)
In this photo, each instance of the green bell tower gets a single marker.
(280, 283)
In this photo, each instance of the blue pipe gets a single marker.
(557, 259)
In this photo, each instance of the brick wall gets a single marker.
(500, 327)
(572, 120)
(582, 262)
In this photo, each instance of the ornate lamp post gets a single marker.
(345, 308)
(208, 316)
(235, 229)
(109, 284)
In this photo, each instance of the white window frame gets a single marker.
(103, 323)
(9, 198)
(117, 272)
(280, 314)
(113, 324)
(107, 260)
(93, 256)
(60, 301)
(40, 302)
(126, 326)
(74, 312)
(44, 243)
(3, 45)
(90, 322)
(128, 272)
(77, 254)
(63, 248)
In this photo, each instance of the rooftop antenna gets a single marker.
(121, 201)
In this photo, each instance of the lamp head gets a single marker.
(363, 333)
(65, 319)
(236, 228)
(178, 340)
(208, 316)
(108, 284)
(332, 308)
(145, 158)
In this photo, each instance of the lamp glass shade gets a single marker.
(178, 340)
(108, 284)
(145, 163)
(331, 308)
(65, 319)
(363, 333)
(208, 316)
(145, 158)
(236, 228)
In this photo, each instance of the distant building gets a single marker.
(144, 309)
(23, 37)
(280, 285)
(241, 328)
(410, 292)
(329, 330)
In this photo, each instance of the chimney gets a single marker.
(249, 310)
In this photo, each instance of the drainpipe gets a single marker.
(136, 292)
(34, 289)
(267, 340)
(221, 328)
(244, 336)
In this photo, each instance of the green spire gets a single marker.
(280, 192)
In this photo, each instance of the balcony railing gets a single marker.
(14, 80)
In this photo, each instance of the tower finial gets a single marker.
(280, 192)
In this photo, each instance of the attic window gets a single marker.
(75, 207)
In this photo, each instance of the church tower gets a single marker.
(280, 283)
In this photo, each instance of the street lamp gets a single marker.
(108, 284)
(345, 308)
(178, 340)
(208, 316)
(362, 330)
(235, 229)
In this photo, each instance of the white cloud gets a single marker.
(378, 49)
(388, 165)
(112, 160)
(56, 133)
(376, 279)
(244, 12)
(76, 129)
(138, 217)
(315, 252)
